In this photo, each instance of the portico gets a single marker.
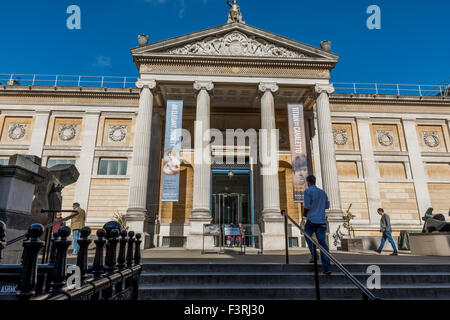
(232, 77)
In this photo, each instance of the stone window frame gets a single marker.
(96, 165)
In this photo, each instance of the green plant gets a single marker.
(348, 217)
(121, 219)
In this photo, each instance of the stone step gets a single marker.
(294, 281)
(306, 267)
(285, 278)
(233, 292)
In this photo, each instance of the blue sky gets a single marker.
(412, 46)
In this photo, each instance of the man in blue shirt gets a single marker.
(316, 201)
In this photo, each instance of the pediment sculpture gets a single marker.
(236, 43)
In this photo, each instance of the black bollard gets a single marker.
(137, 250)
(111, 246)
(31, 248)
(59, 271)
(82, 256)
(2, 238)
(122, 245)
(53, 249)
(97, 268)
(130, 249)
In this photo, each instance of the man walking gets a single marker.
(316, 201)
(76, 225)
(385, 228)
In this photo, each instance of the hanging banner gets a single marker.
(172, 148)
(298, 150)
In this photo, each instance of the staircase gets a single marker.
(283, 282)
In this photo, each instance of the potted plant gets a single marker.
(121, 219)
(349, 242)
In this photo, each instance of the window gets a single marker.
(112, 167)
(4, 161)
(54, 161)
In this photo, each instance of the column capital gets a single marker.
(265, 86)
(151, 84)
(320, 88)
(203, 85)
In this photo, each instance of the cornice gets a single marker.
(89, 92)
(234, 61)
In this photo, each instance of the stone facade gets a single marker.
(366, 151)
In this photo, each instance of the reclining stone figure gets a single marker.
(435, 222)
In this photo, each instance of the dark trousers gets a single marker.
(320, 230)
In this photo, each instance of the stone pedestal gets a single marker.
(17, 188)
(430, 244)
(195, 236)
(273, 237)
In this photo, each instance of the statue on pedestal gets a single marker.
(234, 15)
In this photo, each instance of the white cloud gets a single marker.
(102, 61)
(180, 5)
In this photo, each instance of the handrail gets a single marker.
(359, 285)
(12, 241)
(13, 79)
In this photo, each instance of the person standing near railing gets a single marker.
(385, 228)
(316, 202)
(76, 225)
(58, 225)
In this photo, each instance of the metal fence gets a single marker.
(392, 89)
(67, 80)
(442, 89)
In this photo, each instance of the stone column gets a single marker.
(154, 179)
(418, 169)
(328, 158)
(201, 205)
(85, 162)
(39, 132)
(272, 221)
(370, 170)
(136, 212)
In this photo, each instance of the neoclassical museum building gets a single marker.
(369, 145)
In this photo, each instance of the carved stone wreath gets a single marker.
(340, 137)
(67, 132)
(431, 139)
(17, 131)
(117, 133)
(236, 44)
(385, 138)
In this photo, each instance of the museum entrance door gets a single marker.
(231, 201)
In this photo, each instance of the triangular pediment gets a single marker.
(235, 40)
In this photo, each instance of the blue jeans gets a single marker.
(320, 230)
(76, 236)
(387, 235)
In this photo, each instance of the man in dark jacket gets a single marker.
(385, 228)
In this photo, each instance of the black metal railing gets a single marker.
(366, 294)
(111, 277)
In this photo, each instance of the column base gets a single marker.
(273, 237)
(136, 221)
(335, 219)
(195, 235)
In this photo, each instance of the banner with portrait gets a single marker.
(297, 143)
(172, 149)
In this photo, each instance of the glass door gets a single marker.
(231, 200)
